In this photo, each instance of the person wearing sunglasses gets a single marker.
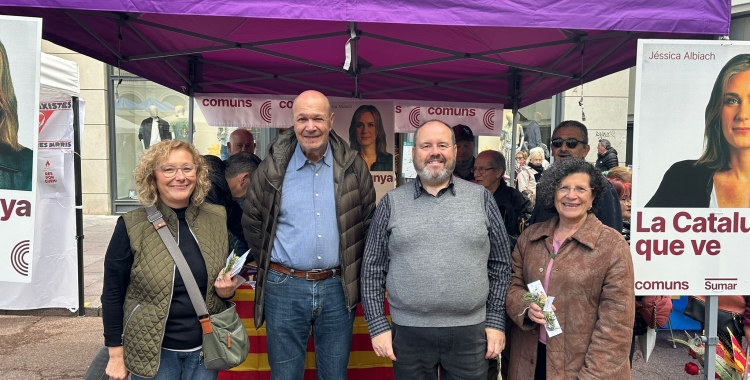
(719, 178)
(571, 140)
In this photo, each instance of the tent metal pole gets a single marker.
(712, 340)
(607, 53)
(516, 100)
(148, 42)
(93, 34)
(192, 68)
(557, 62)
(79, 201)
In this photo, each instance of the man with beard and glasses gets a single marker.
(446, 293)
(571, 139)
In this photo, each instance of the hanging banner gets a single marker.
(246, 111)
(20, 48)
(483, 119)
(690, 223)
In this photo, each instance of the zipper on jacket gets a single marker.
(125, 326)
(169, 306)
(338, 212)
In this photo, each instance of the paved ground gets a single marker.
(53, 345)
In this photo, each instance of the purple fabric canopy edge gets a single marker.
(432, 53)
(671, 16)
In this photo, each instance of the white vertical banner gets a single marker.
(20, 48)
(690, 223)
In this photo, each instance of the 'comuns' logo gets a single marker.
(662, 285)
(18, 258)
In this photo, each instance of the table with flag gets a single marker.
(363, 363)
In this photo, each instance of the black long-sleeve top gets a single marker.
(183, 330)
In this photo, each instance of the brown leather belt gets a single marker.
(310, 275)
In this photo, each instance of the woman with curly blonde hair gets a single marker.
(16, 161)
(150, 326)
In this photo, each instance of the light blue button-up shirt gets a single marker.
(307, 235)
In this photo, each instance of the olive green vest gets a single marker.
(152, 278)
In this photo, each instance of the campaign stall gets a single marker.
(54, 282)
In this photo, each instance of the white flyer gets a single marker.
(554, 328)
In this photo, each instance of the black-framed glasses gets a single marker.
(170, 171)
(571, 142)
(481, 170)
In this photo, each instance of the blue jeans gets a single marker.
(181, 366)
(293, 306)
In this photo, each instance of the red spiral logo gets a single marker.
(488, 119)
(265, 111)
(18, 258)
(414, 117)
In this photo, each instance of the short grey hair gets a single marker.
(552, 176)
(240, 163)
(453, 135)
(606, 144)
(536, 152)
(497, 160)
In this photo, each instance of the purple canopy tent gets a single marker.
(506, 52)
(503, 51)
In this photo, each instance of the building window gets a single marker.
(143, 113)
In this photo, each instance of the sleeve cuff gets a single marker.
(495, 321)
(378, 326)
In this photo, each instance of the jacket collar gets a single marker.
(418, 188)
(282, 150)
(587, 235)
(171, 217)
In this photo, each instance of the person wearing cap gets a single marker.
(465, 153)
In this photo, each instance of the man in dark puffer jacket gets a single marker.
(306, 216)
(607, 156)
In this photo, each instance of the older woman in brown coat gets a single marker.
(587, 267)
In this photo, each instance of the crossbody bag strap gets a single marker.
(156, 218)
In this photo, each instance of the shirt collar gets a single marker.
(299, 159)
(418, 188)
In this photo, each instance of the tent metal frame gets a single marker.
(575, 38)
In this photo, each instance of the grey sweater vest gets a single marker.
(438, 248)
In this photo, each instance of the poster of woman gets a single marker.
(16, 157)
(691, 172)
(368, 128)
(20, 55)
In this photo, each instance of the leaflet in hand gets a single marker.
(234, 264)
(552, 327)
